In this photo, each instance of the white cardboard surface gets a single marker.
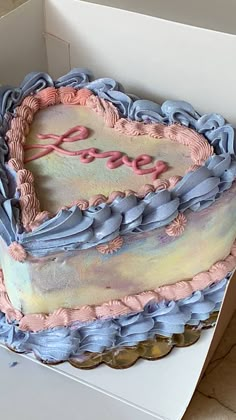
(22, 43)
(210, 14)
(61, 53)
(143, 391)
(156, 59)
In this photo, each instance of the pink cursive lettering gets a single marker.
(115, 158)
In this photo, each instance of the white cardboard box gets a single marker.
(157, 59)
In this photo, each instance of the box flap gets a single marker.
(22, 47)
(151, 57)
(210, 14)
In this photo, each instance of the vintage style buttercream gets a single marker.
(117, 220)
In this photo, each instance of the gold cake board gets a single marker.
(153, 349)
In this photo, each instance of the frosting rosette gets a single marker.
(131, 209)
(197, 190)
(105, 223)
(76, 78)
(180, 112)
(161, 208)
(97, 336)
(145, 110)
(220, 135)
(224, 167)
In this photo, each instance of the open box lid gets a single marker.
(207, 14)
(154, 58)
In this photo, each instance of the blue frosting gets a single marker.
(76, 78)
(213, 126)
(165, 318)
(74, 229)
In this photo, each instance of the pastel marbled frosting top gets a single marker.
(60, 180)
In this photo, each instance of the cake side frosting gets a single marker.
(128, 305)
(145, 262)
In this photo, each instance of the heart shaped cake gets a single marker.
(117, 221)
